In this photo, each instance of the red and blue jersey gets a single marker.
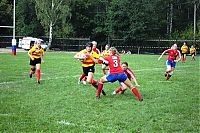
(114, 64)
(173, 54)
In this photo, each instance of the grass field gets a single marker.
(59, 104)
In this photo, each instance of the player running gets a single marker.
(192, 53)
(184, 50)
(88, 64)
(116, 73)
(130, 74)
(173, 54)
(82, 78)
(36, 57)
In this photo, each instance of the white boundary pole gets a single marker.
(14, 40)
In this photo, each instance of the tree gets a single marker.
(27, 23)
(50, 12)
(6, 16)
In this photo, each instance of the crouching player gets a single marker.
(116, 73)
(130, 74)
(36, 57)
(173, 54)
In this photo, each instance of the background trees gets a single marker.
(102, 19)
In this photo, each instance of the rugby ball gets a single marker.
(82, 57)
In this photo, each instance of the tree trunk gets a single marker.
(50, 34)
(171, 19)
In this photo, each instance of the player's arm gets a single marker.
(179, 57)
(162, 54)
(77, 55)
(42, 56)
(133, 77)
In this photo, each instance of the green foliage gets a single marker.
(128, 19)
(59, 104)
(57, 13)
(5, 16)
(188, 33)
(27, 23)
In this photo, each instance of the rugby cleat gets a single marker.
(103, 92)
(38, 81)
(30, 75)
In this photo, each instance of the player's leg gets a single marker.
(173, 65)
(124, 88)
(82, 76)
(133, 89)
(184, 58)
(121, 89)
(90, 79)
(32, 68)
(168, 69)
(193, 57)
(100, 85)
(32, 71)
(38, 71)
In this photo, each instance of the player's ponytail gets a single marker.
(114, 50)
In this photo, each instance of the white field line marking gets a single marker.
(6, 114)
(64, 122)
(53, 78)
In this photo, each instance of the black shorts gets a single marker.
(35, 61)
(183, 53)
(86, 70)
(192, 53)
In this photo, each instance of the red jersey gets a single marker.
(96, 50)
(172, 54)
(114, 64)
(129, 72)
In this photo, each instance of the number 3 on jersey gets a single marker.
(115, 63)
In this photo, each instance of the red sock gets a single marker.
(118, 90)
(85, 78)
(95, 83)
(137, 94)
(100, 87)
(32, 72)
(82, 76)
(38, 74)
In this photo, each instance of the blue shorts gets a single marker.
(171, 63)
(114, 77)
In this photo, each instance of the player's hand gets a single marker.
(137, 85)
(42, 61)
(176, 60)
(87, 54)
(159, 58)
(32, 58)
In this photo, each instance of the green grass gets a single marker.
(59, 104)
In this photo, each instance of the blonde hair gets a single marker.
(115, 51)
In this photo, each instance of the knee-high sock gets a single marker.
(82, 76)
(137, 94)
(100, 87)
(38, 74)
(95, 83)
(118, 89)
